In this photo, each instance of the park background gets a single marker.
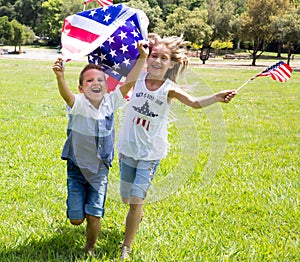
(233, 169)
(222, 25)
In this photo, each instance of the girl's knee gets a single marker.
(136, 201)
(76, 222)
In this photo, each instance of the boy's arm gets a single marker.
(222, 96)
(63, 87)
(136, 70)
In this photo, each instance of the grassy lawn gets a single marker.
(228, 190)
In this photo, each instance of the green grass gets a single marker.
(233, 169)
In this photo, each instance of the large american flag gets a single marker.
(280, 72)
(108, 35)
(100, 2)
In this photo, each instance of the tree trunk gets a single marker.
(254, 60)
(289, 52)
(279, 49)
(254, 57)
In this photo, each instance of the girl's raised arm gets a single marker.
(136, 70)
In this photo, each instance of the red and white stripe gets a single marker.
(100, 2)
(80, 35)
(143, 122)
(105, 2)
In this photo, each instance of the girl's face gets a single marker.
(94, 86)
(159, 61)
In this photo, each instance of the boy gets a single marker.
(89, 146)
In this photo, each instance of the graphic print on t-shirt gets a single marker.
(144, 110)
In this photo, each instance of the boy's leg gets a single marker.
(92, 232)
(94, 207)
(76, 194)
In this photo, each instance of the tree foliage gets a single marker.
(153, 13)
(255, 23)
(287, 29)
(6, 30)
(202, 22)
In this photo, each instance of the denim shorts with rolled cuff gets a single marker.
(86, 191)
(136, 176)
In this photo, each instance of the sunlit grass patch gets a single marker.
(239, 201)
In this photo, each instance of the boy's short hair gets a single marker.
(86, 68)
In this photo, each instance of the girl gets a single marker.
(143, 138)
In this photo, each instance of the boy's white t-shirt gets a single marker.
(91, 131)
(144, 134)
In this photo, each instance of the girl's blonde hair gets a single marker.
(177, 47)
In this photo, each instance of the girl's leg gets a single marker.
(133, 220)
(92, 232)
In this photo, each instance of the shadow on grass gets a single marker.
(66, 244)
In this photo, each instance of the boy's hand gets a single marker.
(58, 67)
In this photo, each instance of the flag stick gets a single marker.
(249, 80)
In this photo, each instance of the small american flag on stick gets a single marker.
(279, 71)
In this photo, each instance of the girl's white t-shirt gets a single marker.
(144, 134)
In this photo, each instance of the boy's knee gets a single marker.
(76, 222)
(91, 218)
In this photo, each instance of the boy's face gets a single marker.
(94, 86)
(159, 61)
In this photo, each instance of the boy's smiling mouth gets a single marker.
(96, 90)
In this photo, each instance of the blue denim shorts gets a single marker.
(86, 191)
(136, 176)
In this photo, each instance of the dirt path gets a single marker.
(52, 55)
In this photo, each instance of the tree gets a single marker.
(153, 13)
(6, 30)
(219, 17)
(28, 12)
(18, 35)
(29, 35)
(7, 11)
(191, 24)
(52, 20)
(287, 28)
(255, 24)
(217, 45)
